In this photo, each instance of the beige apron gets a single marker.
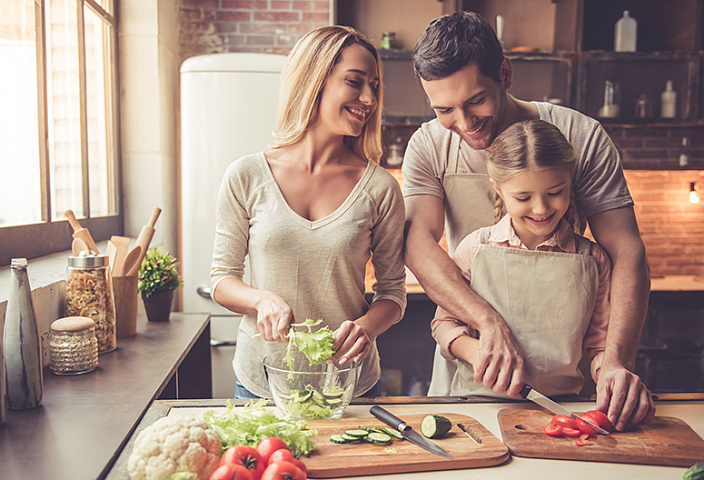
(469, 205)
(547, 300)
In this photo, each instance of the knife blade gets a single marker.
(534, 396)
(408, 433)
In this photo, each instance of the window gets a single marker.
(59, 125)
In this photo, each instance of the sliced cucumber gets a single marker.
(357, 433)
(435, 426)
(351, 438)
(378, 438)
(338, 439)
(394, 433)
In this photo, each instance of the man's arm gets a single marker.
(621, 391)
(500, 366)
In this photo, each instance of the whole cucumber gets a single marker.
(695, 472)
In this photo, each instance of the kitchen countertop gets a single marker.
(85, 419)
(687, 407)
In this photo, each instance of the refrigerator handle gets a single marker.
(204, 291)
(222, 343)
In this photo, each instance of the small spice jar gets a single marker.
(89, 294)
(73, 346)
(388, 40)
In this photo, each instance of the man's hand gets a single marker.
(623, 396)
(500, 366)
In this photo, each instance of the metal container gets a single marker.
(89, 294)
(73, 346)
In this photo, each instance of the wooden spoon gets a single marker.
(122, 245)
(78, 246)
(130, 260)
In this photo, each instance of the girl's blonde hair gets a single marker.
(531, 145)
(307, 69)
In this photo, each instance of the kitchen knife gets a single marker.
(407, 432)
(534, 396)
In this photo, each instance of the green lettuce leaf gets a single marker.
(250, 424)
(316, 346)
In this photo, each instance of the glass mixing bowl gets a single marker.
(310, 392)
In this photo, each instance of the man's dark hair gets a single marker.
(451, 42)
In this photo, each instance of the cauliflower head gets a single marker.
(172, 445)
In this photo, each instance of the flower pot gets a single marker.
(158, 305)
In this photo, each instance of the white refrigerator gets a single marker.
(228, 110)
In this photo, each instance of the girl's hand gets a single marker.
(351, 341)
(274, 317)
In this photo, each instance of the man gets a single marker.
(463, 71)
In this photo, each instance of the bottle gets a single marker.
(23, 359)
(625, 33)
(668, 101)
(388, 40)
(611, 108)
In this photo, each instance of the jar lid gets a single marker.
(72, 324)
(88, 261)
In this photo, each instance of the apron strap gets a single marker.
(584, 246)
(484, 234)
(454, 153)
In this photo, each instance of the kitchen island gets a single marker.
(688, 407)
(85, 420)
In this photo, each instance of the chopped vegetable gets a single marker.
(252, 423)
(316, 346)
(435, 426)
(311, 403)
(695, 472)
(565, 426)
(381, 436)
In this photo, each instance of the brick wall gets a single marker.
(260, 26)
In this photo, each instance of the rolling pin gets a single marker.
(80, 232)
(143, 241)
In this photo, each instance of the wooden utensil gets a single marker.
(131, 259)
(122, 246)
(144, 239)
(80, 232)
(78, 246)
(112, 251)
(664, 441)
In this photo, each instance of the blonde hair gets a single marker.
(307, 69)
(531, 145)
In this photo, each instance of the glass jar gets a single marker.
(89, 294)
(73, 346)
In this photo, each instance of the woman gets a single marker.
(309, 212)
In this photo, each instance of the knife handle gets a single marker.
(525, 390)
(388, 418)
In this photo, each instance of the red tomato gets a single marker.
(564, 421)
(584, 427)
(598, 417)
(246, 456)
(571, 432)
(281, 454)
(231, 472)
(553, 430)
(283, 471)
(583, 440)
(268, 446)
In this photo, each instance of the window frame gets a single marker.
(53, 235)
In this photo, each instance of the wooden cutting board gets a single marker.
(478, 448)
(665, 441)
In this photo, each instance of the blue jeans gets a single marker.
(241, 391)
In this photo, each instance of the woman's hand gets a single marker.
(351, 341)
(274, 317)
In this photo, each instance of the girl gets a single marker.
(549, 283)
(309, 212)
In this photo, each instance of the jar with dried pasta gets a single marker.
(89, 294)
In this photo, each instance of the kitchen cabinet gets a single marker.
(85, 419)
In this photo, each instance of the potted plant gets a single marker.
(157, 279)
